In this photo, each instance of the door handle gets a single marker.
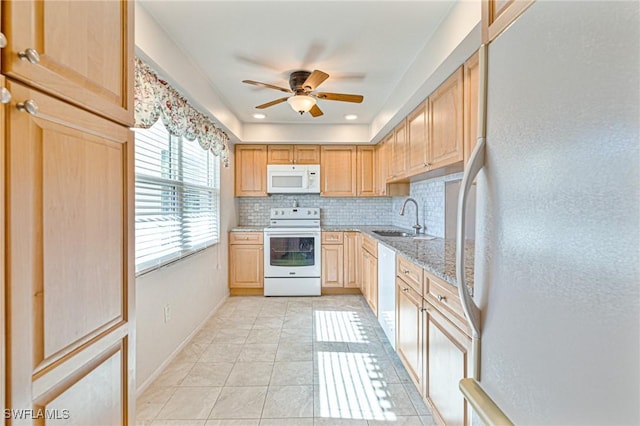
(476, 163)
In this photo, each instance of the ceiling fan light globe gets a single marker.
(301, 103)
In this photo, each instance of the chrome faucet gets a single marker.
(417, 228)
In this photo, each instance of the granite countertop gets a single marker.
(437, 255)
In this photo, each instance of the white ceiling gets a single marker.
(365, 46)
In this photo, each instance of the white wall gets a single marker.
(193, 288)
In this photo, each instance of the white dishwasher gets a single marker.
(387, 292)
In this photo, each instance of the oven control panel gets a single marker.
(295, 213)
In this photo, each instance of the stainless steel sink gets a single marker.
(393, 233)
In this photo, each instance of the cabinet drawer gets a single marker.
(332, 238)
(409, 272)
(444, 297)
(408, 290)
(245, 237)
(370, 245)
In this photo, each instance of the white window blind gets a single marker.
(177, 197)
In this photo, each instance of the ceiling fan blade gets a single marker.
(268, 86)
(272, 103)
(315, 79)
(315, 111)
(344, 97)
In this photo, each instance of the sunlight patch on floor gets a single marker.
(339, 326)
(350, 387)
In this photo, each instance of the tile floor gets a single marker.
(286, 361)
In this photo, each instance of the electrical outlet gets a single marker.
(167, 313)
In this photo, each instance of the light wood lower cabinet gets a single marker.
(446, 362)
(351, 260)
(409, 330)
(369, 261)
(246, 260)
(332, 259)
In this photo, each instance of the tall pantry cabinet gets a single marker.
(69, 213)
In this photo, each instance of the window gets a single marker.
(177, 197)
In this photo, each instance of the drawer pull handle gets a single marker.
(29, 106)
(406, 271)
(5, 96)
(30, 55)
(441, 298)
(423, 309)
(405, 289)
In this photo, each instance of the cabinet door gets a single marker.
(246, 266)
(447, 350)
(251, 171)
(409, 330)
(306, 154)
(85, 48)
(2, 247)
(70, 259)
(497, 15)
(471, 75)
(417, 139)
(280, 154)
(384, 163)
(446, 124)
(351, 264)
(399, 165)
(338, 171)
(366, 171)
(332, 265)
(370, 280)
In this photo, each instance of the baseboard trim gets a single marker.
(145, 385)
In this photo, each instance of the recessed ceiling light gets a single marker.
(259, 115)
(350, 117)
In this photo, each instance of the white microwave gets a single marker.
(293, 179)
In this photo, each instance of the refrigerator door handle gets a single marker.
(471, 311)
(476, 163)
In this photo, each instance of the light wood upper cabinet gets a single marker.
(293, 154)
(399, 154)
(251, 171)
(497, 15)
(246, 260)
(446, 123)
(338, 171)
(70, 260)
(83, 60)
(306, 154)
(384, 149)
(471, 75)
(418, 139)
(366, 171)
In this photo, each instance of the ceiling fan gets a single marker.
(302, 84)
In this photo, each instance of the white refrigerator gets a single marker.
(557, 275)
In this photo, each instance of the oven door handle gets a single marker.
(292, 234)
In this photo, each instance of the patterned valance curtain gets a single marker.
(155, 98)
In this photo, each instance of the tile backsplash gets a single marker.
(254, 211)
(430, 195)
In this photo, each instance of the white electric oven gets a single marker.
(292, 253)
